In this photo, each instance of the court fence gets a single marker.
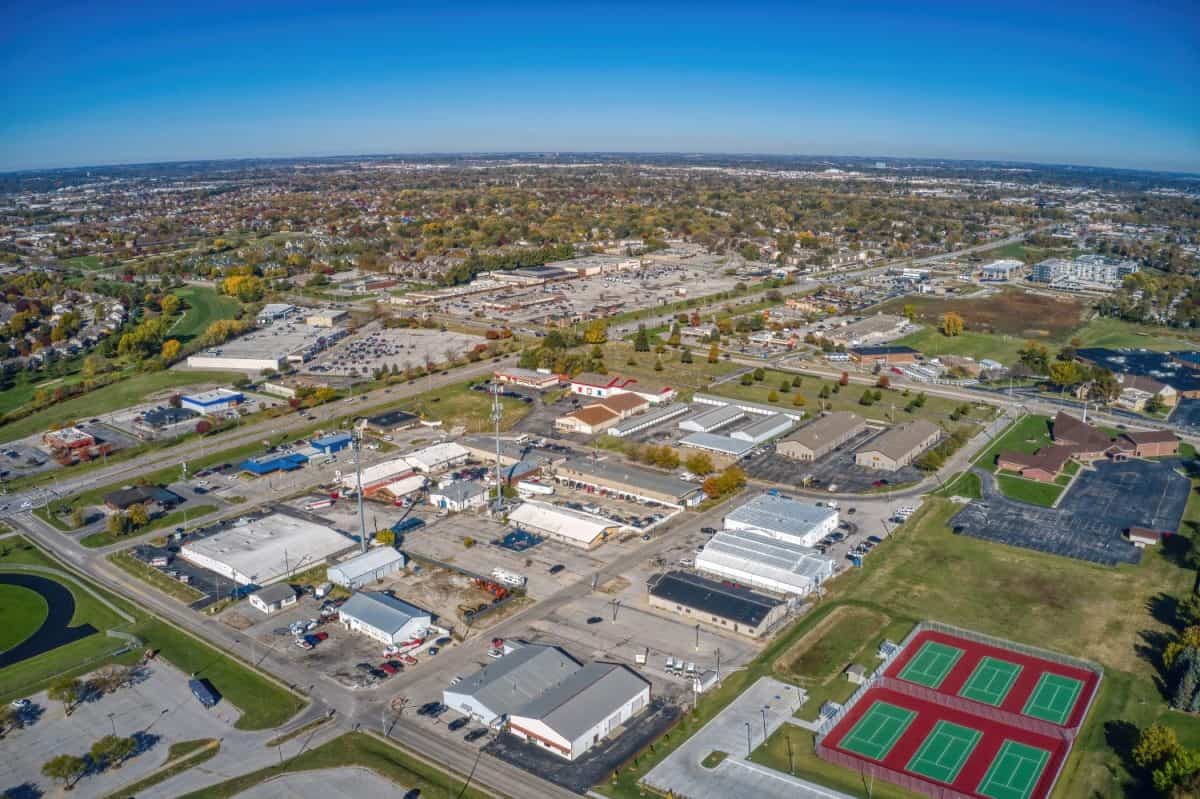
(880, 771)
(1020, 722)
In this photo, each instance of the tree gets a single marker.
(1156, 744)
(824, 392)
(78, 517)
(747, 379)
(66, 769)
(714, 352)
(658, 366)
(773, 396)
(203, 426)
(641, 340)
(67, 690)
(798, 400)
(1185, 680)
(170, 349)
(169, 304)
(676, 338)
(844, 380)
(385, 538)
(785, 386)
(867, 399)
(699, 463)
(951, 324)
(9, 717)
(685, 356)
(883, 382)
(117, 524)
(139, 517)
(1179, 771)
(760, 375)
(596, 332)
(112, 750)
(910, 312)
(1064, 373)
(1035, 357)
(796, 381)
(111, 678)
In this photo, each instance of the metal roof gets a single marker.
(275, 594)
(625, 475)
(713, 418)
(381, 611)
(368, 562)
(652, 417)
(897, 442)
(584, 699)
(831, 427)
(758, 408)
(573, 524)
(514, 679)
(459, 490)
(767, 427)
(774, 514)
(780, 561)
(717, 443)
(735, 604)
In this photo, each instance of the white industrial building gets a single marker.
(712, 442)
(755, 408)
(273, 597)
(713, 419)
(757, 560)
(378, 475)
(784, 519)
(574, 715)
(643, 421)
(384, 618)
(261, 551)
(212, 402)
(764, 429)
(1001, 270)
(273, 311)
(569, 526)
(459, 495)
(364, 569)
(437, 457)
(497, 689)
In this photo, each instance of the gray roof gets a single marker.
(381, 611)
(776, 514)
(368, 562)
(584, 699)
(659, 414)
(516, 678)
(274, 594)
(830, 427)
(625, 474)
(752, 407)
(712, 418)
(766, 556)
(459, 490)
(717, 443)
(897, 442)
(767, 427)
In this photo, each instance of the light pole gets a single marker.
(748, 750)
(764, 718)
(113, 721)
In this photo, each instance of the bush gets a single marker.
(468, 542)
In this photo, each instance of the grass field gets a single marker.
(354, 749)
(830, 648)
(147, 573)
(1010, 311)
(112, 397)
(21, 613)
(84, 261)
(104, 537)
(1114, 333)
(263, 702)
(1031, 491)
(936, 409)
(929, 341)
(1027, 434)
(457, 405)
(694, 376)
(203, 307)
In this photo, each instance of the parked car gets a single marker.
(874, 539)
(594, 620)
(303, 643)
(445, 640)
(431, 651)
(556, 568)
(21, 704)
(388, 669)
(495, 653)
(708, 530)
(475, 735)
(458, 724)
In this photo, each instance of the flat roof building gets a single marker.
(821, 436)
(273, 597)
(710, 602)
(713, 419)
(369, 567)
(755, 408)
(529, 378)
(625, 481)
(330, 444)
(759, 561)
(648, 419)
(383, 617)
(391, 421)
(459, 495)
(500, 687)
(210, 402)
(437, 457)
(784, 519)
(712, 442)
(261, 551)
(569, 526)
(764, 429)
(898, 446)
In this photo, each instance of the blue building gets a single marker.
(266, 464)
(332, 443)
(210, 402)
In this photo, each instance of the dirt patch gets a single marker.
(237, 621)
(1006, 312)
(831, 644)
(614, 586)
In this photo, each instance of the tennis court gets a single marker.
(931, 665)
(1053, 698)
(944, 752)
(1015, 772)
(878, 730)
(990, 682)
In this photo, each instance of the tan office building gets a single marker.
(821, 436)
(899, 446)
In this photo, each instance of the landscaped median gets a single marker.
(127, 563)
(181, 757)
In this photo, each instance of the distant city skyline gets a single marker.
(1084, 84)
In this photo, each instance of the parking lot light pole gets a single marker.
(748, 749)
(764, 717)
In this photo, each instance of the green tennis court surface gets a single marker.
(1015, 772)
(1053, 698)
(990, 681)
(878, 730)
(931, 665)
(944, 752)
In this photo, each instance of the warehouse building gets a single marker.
(459, 495)
(392, 421)
(587, 421)
(759, 561)
(212, 402)
(898, 446)
(378, 475)
(369, 567)
(572, 716)
(649, 419)
(327, 318)
(438, 457)
(383, 617)
(713, 419)
(712, 442)
(707, 601)
(274, 311)
(764, 429)
(755, 408)
(821, 436)
(269, 464)
(330, 444)
(497, 689)
(264, 550)
(569, 526)
(611, 478)
(399, 489)
(273, 598)
(529, 378)
(784, 519)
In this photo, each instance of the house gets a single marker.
(383, 617)
(459, 495)
(273, 597)
(1142, 537)
(575, 714)
(821, 436)
(898, 446)
(141, 495)
(1167, 396)
(366, 568)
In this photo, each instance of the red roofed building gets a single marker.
(1151, 443)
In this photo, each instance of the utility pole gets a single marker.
(496, 416)
(356, 437)
(748, 748)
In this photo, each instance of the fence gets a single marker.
(875, 677)
(1036, 726)
(1024, 649)
(878, 771)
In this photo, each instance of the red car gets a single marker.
(408, 660)
(388, 668)
(321, 636)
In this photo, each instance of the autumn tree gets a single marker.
(699, 463)
(596, 332)
(714, 352)
(170, 349)
(139, 517)
(798, 400)
(641, 339)
(1064, 373)
(951, 324)
(67, 690)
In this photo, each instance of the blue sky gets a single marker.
(1107, 84)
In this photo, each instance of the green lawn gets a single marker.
(457, 405)
(84, 261)
(694, 376)
(807, 765)
(203, 307)
(355, 749)
(964, 484)
(936, 409)
(112, 397)
(22, 612)
(929, 341)
(1028, 434)
(263, 702)
(834, 646)
(1030, 491)
(148, 574)
(1115, 333)
(175, 518)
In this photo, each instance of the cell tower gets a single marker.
(356, 433)
(496, 415)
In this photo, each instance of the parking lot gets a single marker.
(1091, 518)
(376, 347)
(836, 471)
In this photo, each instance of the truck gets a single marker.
(531, 487)
(406, 525)
(507, 577)
(318, 504)
(205, 694)
(323, 590)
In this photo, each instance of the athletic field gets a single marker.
(984, 720)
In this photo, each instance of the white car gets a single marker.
(26, 505)
(21, 704)
(495, 653)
